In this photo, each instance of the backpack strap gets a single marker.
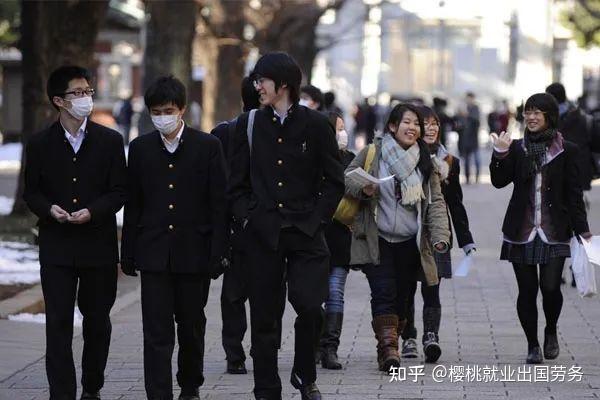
(250, 128)
(370, 157)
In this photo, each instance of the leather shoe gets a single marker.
(308, 391)
(551, 348)
(535, 355)
(90, 396)
(189, 394)
(236, 368)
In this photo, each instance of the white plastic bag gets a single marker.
(592, 249)
(583, 270)
(464, 266)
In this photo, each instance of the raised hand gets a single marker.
(501, 142)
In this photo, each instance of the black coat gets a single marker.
(294, 173)
(94, 178)
(175, 214)
(575, 128)
(565, 197)
(338, 235)
(453, 196)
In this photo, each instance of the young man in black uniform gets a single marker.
(174, 233)
(75, 183)
(285, 183)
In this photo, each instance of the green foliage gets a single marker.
(583, 20)
(10, 11)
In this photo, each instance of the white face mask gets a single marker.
(81, 107)
(342, 139)
(304, 102)
(165, 123)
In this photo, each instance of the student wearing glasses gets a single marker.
(546, 209)
(75, 184)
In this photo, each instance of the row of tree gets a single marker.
(53, 33)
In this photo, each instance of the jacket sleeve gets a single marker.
(35, 199)
(332, 188)
(239, 189)
(107, 205)
(453, 196)
(133, 205)
(437, 216)
(574, 193)
(351, 187)
(502, 166)
(218, 204)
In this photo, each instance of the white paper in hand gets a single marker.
(464, 266)
(592, 249)
(363, 178)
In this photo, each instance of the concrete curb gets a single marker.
(30, 300)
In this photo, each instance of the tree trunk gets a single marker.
(52, 34)
(226, 59)
(293, 30)
(169, 35)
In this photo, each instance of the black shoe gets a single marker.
(431, 347)
(551, 348)
(90, 395)
(329, 359)
(236, 368)
(308, 391)
(189, 394)
(535, 355)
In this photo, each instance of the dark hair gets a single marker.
(395, 117)
(439, 102)
(315, 94)
(59, 79)
(332, 118)
(165, 90)
(558, 91)
(329, 99)
(546, 103)
(427, 113)
(282, 69)
(250, 97)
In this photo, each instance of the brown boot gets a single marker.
(386, 333)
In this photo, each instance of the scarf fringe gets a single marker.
(412, 194)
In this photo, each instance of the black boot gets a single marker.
(551, 347)
(431, 327)
(330, 340)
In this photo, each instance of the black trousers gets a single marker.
(234, 294)
(166, 295)
(95, 290)
(390, 281)
(304, 262)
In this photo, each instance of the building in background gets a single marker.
(423, 48)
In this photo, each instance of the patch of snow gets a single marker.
(6, 204)
(10, 152)
(18, 263)
(41, 318)
(10, 157)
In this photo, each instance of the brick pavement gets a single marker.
(479, 327)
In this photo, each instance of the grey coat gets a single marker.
(433, 221)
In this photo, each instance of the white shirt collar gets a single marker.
(80, 131)
(171, 145)
(284, 116)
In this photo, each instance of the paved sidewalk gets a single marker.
(479, 327)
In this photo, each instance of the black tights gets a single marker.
(549, 283)
(431, 298)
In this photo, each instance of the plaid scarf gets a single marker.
(536, 145)
(403, 165)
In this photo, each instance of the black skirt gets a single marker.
(534, 252)
(444, 264)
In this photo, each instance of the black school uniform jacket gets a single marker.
(453, 196)
(94, 178)
(293, 176)
(563, 194)
(175, 214)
